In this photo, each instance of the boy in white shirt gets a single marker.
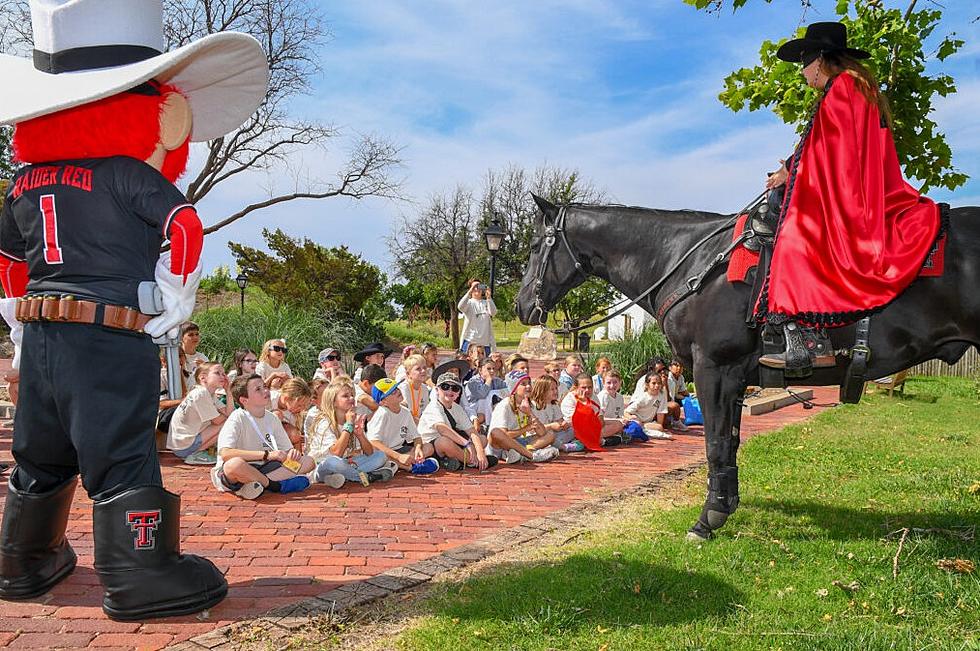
(254, 452)
(393, 431)
(330, 368)
(445, 424)
(364, 404)
(610, 399)
(650, 409)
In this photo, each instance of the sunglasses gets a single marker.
(279, 349)
(449, 387)
(251, 360)
(331, 358)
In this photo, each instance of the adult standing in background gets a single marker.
(478, 311)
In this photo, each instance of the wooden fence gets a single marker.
(968, 366)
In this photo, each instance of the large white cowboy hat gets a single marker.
(85, 50)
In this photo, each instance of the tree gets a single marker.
(438, 248)
(291, 33)
(591, 298)
(895, 40)
(6, 153)
(215, 284)
(309, 275)
(506, 194)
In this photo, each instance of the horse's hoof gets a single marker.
(695, 538)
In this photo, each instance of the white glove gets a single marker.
(178, 298)
(8, 308)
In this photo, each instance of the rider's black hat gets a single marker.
(819, 38)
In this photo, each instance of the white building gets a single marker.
(632, 320)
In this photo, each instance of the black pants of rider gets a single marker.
(88, 404)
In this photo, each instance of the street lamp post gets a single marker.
(242, 281)
(494, 235)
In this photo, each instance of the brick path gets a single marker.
(278, 550)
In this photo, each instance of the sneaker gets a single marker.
(425, 467)
(679, 426)
(247, 491)
(612, 441)
(512, 456)
(451, 464)
(657, 434)
(573, 446)
(294, 484)
(544, 454)
(334, 480)
(366, 478)
(201, 458)
(492, 461)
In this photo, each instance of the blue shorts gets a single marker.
(465, 347)
(190, 449)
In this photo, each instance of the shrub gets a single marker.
(631, 353)
(306, 333)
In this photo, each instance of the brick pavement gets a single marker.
(280, 550)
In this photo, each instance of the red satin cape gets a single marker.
(855, 234)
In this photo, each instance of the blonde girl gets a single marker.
(602, 366)
(291, 400)
(338, 444)
(544, 405)
(272, 366)
(415, 392)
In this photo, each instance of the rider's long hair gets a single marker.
(835, 63)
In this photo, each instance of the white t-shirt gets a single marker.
(434, 414)
(551, 413)
(311, 415)
(195, 412)
(239, 432)
(640, 389)
(417, 398)
(503, 417)
(358, 407)
(673, 384)
(477, 324)
(287, 416)
(391, 429)
(323, 436)
(612, 407)
(264, 370)
(647, 407)
(191, 362)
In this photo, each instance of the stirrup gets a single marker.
(806, 349)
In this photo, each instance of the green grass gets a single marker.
(508, 334)
(806, 562)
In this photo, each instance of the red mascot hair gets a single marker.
(127, 124)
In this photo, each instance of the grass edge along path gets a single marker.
(811, 559)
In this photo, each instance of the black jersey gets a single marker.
(90, 228)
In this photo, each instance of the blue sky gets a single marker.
(624, 91)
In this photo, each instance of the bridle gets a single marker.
(552, 233)
(691, 286)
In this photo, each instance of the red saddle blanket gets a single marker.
(742, 260)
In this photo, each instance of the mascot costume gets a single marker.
(103, 119)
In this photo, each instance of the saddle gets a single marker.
(749, 263)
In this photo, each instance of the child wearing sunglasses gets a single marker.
(330, 368)
(457, 441)
(245, 360)
(272, 366)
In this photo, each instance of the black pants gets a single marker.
(88, 403)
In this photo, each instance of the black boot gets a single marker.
(137, 556)
(806, 349)
(34, 554)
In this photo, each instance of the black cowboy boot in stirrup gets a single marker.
(138, 559)
(806, 348)
(34, 554)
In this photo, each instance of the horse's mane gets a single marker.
(683, 214)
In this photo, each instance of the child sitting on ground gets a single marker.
(254, 453)
(272, 364)
(650, 410)
(339, 445)
(330, 368)
(610, 399)
(676, 391)
(515, 362)
(444, 422)
(415, 392)
(602, 366)
(195, 424)
(365, 404)
(480, 392)
(190, 338)
(544, 405)
(582, 393)
(573, 367)
(515, 432)
(288, 403)
(393, 431)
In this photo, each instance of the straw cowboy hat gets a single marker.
(819, 37)
(86, 50)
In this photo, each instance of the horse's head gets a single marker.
(553, 268)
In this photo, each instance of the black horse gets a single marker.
(631, 248)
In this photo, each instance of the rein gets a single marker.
(692, 285)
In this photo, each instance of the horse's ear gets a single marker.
(546, 206)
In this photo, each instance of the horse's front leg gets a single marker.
(720, 392)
